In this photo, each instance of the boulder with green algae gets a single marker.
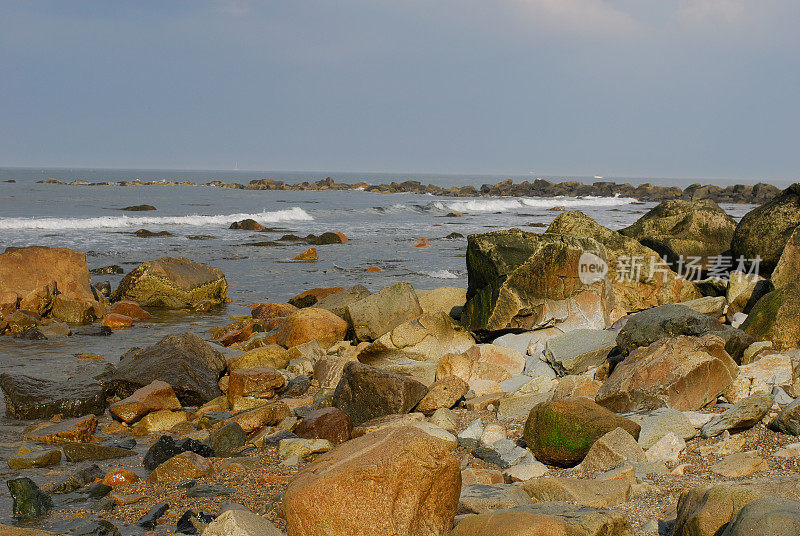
(522, 281)
(561, 432)
(774, 318)
(173, 283)
(633, 290)
(29, 501)
(679, 228)
(764, 231)
(788, 267)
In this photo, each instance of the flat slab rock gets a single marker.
(27, 397)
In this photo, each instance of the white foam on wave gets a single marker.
(506, 204)
(440, 274)
(122, 222)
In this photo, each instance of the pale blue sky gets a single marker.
(667, 88)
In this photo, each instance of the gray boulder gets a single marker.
(578, 350)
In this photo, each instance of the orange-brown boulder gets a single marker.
(117, 321)
(155, 396)
(118, 478)
(129, 308)
(256, 382)
(311, 324)
(308, 255)
(23, 270)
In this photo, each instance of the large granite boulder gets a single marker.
(337, 303)
(522, 281)
(683, 229)
(561, 432)
(379, 313)
(390, 482)
(191, 366)
(683, 373)
(770, 515)
(41, 398)
(788, 420)
(311, 324)
(764, 231)
(646, 327)
(173, 283)
(774, 318)
(26, 270)
(633, 289)
(788, 268)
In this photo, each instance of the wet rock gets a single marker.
(513, 273)
(120, 478)
(37, 458)
(308, 255)
(145, 233)
(742, 416)
(159, 421)
(247, 225)
(186, 362)
(366, 392)
(29, 501)
(311, 296)
(383, 311)
(78, 452)
(67, 431)
(173, 283)
(166, 447)
(77, 480)
(157, 395)
(311, 324)
(139, 208)
(129, 309)
(150, 519)
(181, 467)
(113, 269)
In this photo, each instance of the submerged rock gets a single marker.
(39, 398)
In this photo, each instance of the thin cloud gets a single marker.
(695, 12)
(593, 17)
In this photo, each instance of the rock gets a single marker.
(448, 300)
(751, 354)
(788, 420)
(713, 306)
(523, 281)
(773, 516)
(365, 392)
(258, 382)
(684, 373)
(78, 480)
(470, 436)
(227, 439)
(308, 255)
(610, 450)
(270, 414)
(150, 519)
(310, 297)
(327, 423)
(633, 290)
(297, 447)
(173, 283)
(760, 377)
(187, 363)
(70, 430)
(573, 386)
(311, 324)
(139, 208)
(29, 501)
(39, 398)
(773, 316)
(660, 422)
(578, 350)
(387, 421)
(472, 475)
(247, 225)
(341, 489)
(75, 311)
(483, 498)
(383, 311)
(146, 233)
(117, 478)
(445, 419)
(789, 452)
(271, 355)
(78, 452)
(493, 432)
(25, 270)
(503, 453)
(524, 471)
(742, 416)
(117, 321)
(155, 396)
(337, 302)
(426, 338)
(667, 449)
(764, 231)
(166, 448)
(159, 421)
(649, 326)
(468, 367)
(594, 493)
(241, 523)
(37, 458)
(562, 432)
(744, 290)
(520, 405)
(181, 467)
(444, 393)
(739, 464)
(787, 269)
(545, 519)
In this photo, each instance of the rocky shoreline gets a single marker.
(739, 193)
(543, 399)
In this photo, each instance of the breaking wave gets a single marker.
(510, 204)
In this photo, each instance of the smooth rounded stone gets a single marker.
(67, 431)
(78, 452)
(472, 475)
(155, 396)
(493, 432)
(120, 478)
(29, 501)
(444, 393)
(562, 432)
(227, 439)
(742, 416)
(173, 283)
(302, 448)
(445, 419)
(659, 422)
(186, 362)
(41, 398)
(311, 324)
(706, 510)
(760, 377)
(522, 472)
(383, 311)
(548, 519)
(483, 498)
(343, 488)
(630, 293)
(241, 523)
(326, 423)
(739, 464)
(470, 436)
(503, 453)
(788, 420)
(610, 450)
(166, 447)
(182, 467)
(667, 449)
(684, 373)
(387, 421)
(578, 350)
(512, 273)
(573, 386)
(366, 392)
(160, 421)
(37, 458)
(770, 515)
(673, 320)
(593, 493)
(789, 452)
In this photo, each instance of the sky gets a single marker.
(629, 88)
